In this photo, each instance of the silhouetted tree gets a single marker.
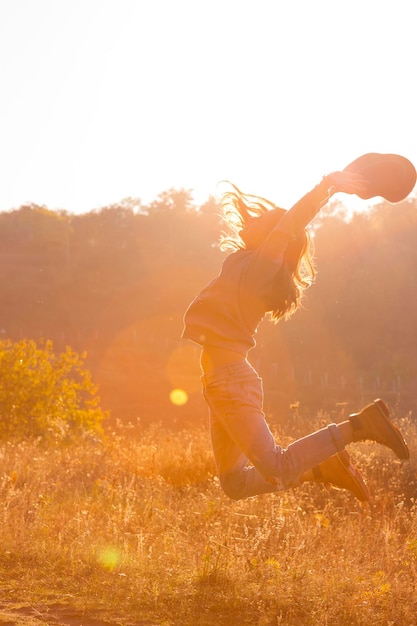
(116, 281)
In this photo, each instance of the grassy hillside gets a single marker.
(136, 531)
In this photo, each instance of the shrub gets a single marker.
(44, 394)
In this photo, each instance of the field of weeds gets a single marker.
(135, 531)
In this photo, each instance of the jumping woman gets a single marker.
(266, 273)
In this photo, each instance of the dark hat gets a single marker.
(390, 176)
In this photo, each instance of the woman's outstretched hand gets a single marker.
(346, 182)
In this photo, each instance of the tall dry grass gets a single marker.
(135, 530)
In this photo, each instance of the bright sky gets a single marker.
(105, 99)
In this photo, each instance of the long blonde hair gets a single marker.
(250, 219)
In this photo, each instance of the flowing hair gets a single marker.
(250, 219)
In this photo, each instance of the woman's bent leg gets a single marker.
(240, 433)
(238, 479)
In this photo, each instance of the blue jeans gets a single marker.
(248, 460)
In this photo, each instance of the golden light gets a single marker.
(109, 557)
(179, 397)
(183, 369)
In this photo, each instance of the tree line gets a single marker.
(115, 283)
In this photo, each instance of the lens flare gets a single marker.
(109, 558)
(183, 369)
(179, 397)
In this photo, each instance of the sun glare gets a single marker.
(182, 369)
(109, 558)
(179, 397)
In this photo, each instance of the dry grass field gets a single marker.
(135, 531)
